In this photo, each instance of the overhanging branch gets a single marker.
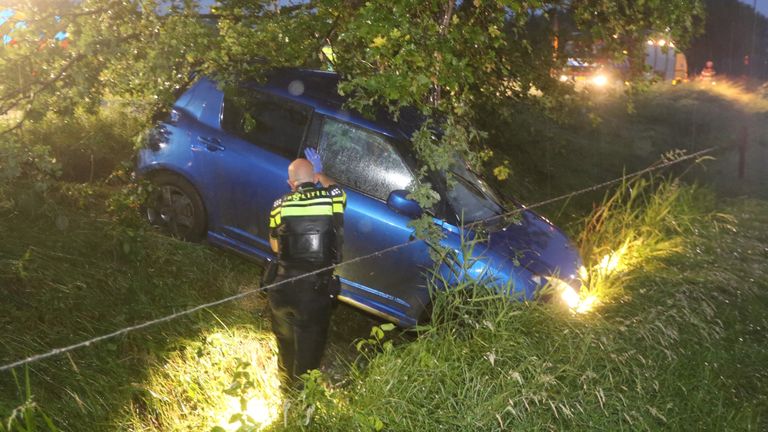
(17, 96)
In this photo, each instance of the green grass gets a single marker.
(678, 343)
(67, 275)
(70, 271)
(602, 139)
(675, 343)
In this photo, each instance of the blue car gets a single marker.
(219, 162)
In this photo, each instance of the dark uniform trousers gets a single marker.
(301, 314)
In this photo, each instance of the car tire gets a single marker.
(174, 206)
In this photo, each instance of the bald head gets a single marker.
(300, 171)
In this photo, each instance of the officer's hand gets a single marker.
(314, 157)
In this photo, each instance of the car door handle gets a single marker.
(211, 143)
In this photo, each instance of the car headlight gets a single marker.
(569, 295)
(565, 292)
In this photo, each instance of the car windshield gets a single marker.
(470, 196)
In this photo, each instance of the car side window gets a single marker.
(266, 121)
(362, 159)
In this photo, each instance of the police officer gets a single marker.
(306, 233)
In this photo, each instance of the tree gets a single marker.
(116, 47)
(624, 26)
(440, 57)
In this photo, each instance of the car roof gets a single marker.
(319, 89)
(312, 88)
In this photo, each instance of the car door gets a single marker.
(369, 168)
(260, 136)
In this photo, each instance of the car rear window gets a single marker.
(267, 121)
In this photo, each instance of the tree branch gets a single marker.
(447, 18)
(237, 18)
(50, 81)
(18, 124)
(4, 109)
(443, 32)
(68, 15)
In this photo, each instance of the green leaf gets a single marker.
(377, 333)
(378, 42)
(377, 424)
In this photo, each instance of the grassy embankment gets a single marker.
(68, 275)
(678, 344)
(549, 158)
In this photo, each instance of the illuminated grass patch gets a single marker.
(643, 220)
(197, 387)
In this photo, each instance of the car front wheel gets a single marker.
(175, 206)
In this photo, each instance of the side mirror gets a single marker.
(399, 202)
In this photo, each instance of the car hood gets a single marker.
(535, 244)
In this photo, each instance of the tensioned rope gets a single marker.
(125, 330)
(598, 186)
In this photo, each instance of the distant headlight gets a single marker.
(563, 78)
(600, 80)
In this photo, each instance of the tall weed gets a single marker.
(642, 219)
(29, 416)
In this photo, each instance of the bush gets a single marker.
(23, 163)
(88, 146)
